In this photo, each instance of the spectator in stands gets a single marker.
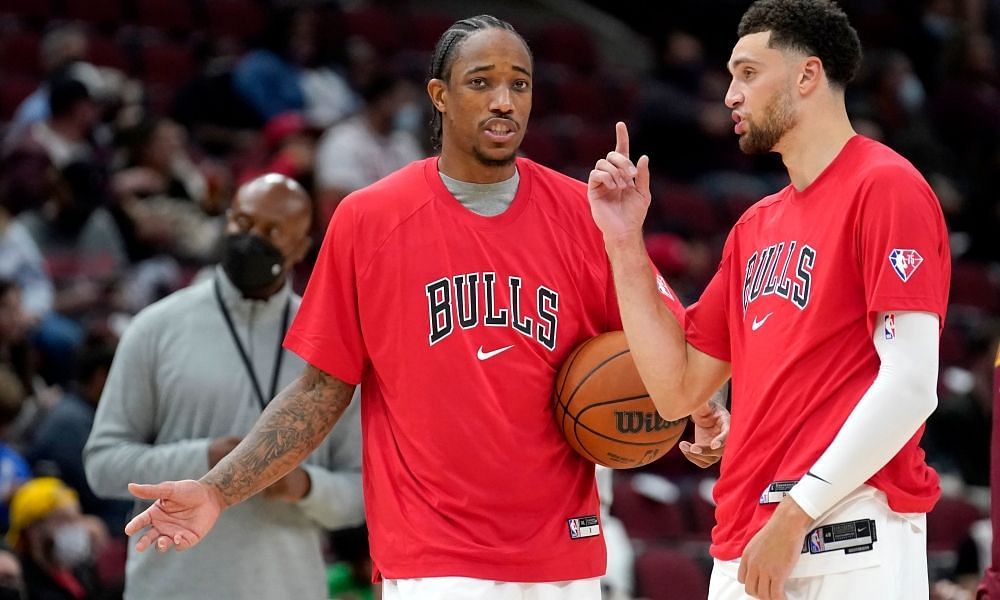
(66, 134)
(160, 146)
(17, 355)
(11, 576)
(14, 470)
(79, 238)
(288, 147)
(55, 541)
(368, 146)
(678, 116)
(963, 112)
(14, 324)
(295, 71)
(59, 439)
(21, 260)
(61, 47)
(218, 118)
(162, 199)
(958, 434)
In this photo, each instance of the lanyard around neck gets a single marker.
(279, 353)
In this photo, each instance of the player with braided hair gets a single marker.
(447, 49)
(452, 291)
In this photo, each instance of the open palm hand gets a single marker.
(182, 514)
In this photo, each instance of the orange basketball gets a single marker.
(603, 409)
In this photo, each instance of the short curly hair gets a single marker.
(817, 27)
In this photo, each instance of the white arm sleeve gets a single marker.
(900, 399)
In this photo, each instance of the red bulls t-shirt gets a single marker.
(455, 325)
(793, 307)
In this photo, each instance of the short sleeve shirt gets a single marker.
(793, 307)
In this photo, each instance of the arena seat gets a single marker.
(643, 517)
(972, 285)
(99, 12)
(425, 29)
(666, 574)
(948, 524)
(242, 19)
(29, 10)
(166, 63)
(168, 15)
(19, 53)
(104, 51)
(376, 25)
(567, 44)
(13, 90)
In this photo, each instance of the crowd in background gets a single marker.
(127, 124)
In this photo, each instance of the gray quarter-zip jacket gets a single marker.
(176, 384)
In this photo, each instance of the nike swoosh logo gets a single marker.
(814, 476)
(758, 324)
(487, 355)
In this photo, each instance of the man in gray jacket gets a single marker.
(190, 377)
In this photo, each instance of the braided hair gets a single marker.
(446, 50)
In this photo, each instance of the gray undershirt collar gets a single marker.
(485, 199)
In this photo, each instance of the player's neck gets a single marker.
(468, 169)
(809, 148)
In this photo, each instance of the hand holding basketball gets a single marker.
(603, 409)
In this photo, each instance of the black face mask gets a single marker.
(252, 263)
(11, 591)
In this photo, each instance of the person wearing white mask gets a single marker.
(56, 543)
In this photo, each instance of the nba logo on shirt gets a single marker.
(815, 541)
(905, 262)
(583, 527)
(574, 528)
(890, 326)
(661, 284)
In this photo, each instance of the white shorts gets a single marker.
(894, 569)
(466, 588)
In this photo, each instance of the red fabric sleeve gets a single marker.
(706, 323)
(667, 294)
(903, 246)
(326, 332)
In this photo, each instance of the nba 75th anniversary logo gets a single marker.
(905, 262)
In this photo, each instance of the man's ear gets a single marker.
(437, 89)
(811, 73)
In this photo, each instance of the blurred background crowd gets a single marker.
(126, 125)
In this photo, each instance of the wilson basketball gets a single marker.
(603, 409)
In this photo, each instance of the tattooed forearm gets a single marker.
(295, 422)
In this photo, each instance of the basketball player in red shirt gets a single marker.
(452, 291)
(826, 310)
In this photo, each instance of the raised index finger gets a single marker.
(621, 139)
